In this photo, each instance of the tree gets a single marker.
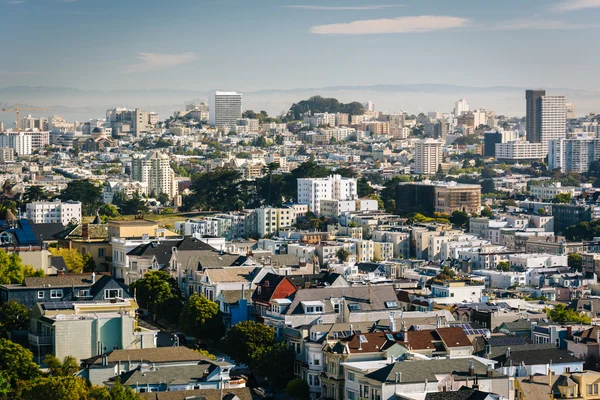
(68, 366)
(342, 255)
(247, 341)
(277, 364)
(16, 363)
(363, 187)
(120, 392)
(12, 269)
(460, 218)
(163, 199)
(200, 317)
(373, 196)
(561, 314)
(388, 194)
(575, 261)
(108, 210)
(503, 266)
(57, 388)
(73, 259)
(34, 193)
(86, 192)
(14, 316)
(446, 274)
(153, 289)
(134, 206)
(89, 265)
(562, 198)
(487, 212)
(297, 389)
(219, 189)
(541, 211)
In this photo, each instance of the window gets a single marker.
(113, 293)
(83, 293)
(350, 395)
(351, 377)
(595, 388)
(40, 295)
(100, 253)
(589, 389)
(56, 293)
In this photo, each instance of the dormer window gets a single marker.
(313, 307)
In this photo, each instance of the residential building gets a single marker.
(84, 329)
(533, 99)
(428, 156)
(155, 171)
(21, 142)
(521, 151)
(461, 107)
(225, 109)
(574, 154)
(335, 187)
(268, 220)
(45, 212)
(428, 197)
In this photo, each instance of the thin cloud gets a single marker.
(16, 73)
(153, 61)
(344, 8)
(418, 24)
(15, 2)
(539, 24)
(574, 5)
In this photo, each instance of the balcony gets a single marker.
(36, 339)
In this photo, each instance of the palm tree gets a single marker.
(67, 367)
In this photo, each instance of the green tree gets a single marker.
(503, 266)
(342, 254)
(57, 388)
(219, 189)
(277, 364)
(153, 289)
(248, 341)
(562, 198)
(388, 193)
(108, 210)
(541, 211)
(120, 392)
(163, 199)
(89, 265)
(297, 389)
(73, 259)
(68, 366)
(363, 187)
(134, 206)
(561, 314)
(86, 192)
(575, 261)
(460, 218)
(487, 212)
(446, 274)
(34, 193)
(12, 269)
(14, 316)
(16, 363)
(200, 317)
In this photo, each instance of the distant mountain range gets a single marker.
(79, 104)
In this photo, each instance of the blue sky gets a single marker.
(258, 44)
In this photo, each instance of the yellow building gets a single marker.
(569, 385)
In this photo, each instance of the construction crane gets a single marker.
(16, 109)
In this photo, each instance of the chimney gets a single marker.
(490, 371)
(471, 368)
(93, 278)
(351, 330)
(508, 352)
(569, 332)
(392, 322)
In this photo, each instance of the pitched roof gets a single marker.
(204, 394)
(421, 370)
(172, 375)
(454, 337)
(229, 274)
(369, 342)
(46, 231)
(368, 266)
(268, 284)
(215, 259)
(59, 280)
(233, 296)
(151, 355)
(539, 356)
(589, 335)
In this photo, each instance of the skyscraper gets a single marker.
(461, 107)
(225, 109)
(546, 117)
(428, 156)
(533, 99)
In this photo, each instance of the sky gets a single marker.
(249, 45)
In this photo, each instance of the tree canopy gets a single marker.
(200, 317)
(155, 289)
(73, 259)
(12, 269)
(86, 192)
(319, 104)
(14, 316)
(561, 314)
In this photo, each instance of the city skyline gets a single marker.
(296, 44)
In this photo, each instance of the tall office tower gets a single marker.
(553, 119)
(428, 156)
(156, 172)
(225, 109)
(461, 107)
(533, 100)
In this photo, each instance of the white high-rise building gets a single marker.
(428, 156)
(553, 118)
(461, 107)
(225, 109)
(21, 142)
(48, 212)
(155, 170)
(573, 155)
(312, 190)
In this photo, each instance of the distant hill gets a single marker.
(414, 98)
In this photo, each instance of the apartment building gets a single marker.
(312, 190)
(428, 156)
(155, 171)
(225, 109)
(47, 212)
(521, 151)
